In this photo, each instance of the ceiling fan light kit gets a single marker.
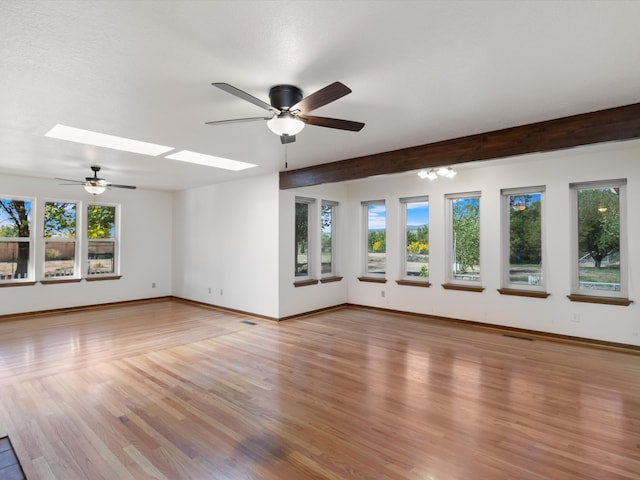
(285, 124)
(95, 189)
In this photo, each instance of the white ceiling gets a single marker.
(420, 71)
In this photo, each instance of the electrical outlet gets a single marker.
(220, 291)
(575, 318)
(153, 285)
(382, 293)
(209, 290)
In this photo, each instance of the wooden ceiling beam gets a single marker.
(620, 123)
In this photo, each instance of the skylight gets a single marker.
(88, 137)
(209, 160)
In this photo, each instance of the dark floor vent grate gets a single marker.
(247, 322)
(518, 337)
(10, 468)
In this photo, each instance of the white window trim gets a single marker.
(575, 283)
(80, 235)
(310, 202)
(116, 241)
(365, 238)
(31, 269)
(450, 258)
(334, 216)
(506, 240)
(403, 238)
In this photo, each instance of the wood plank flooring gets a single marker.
(170, 390)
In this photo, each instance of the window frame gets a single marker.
(365, 232)
(505, 237)
(32, 215)
(115, 240)
(449, 251)
(403, 241)
(77, 267)
(334, 209)
(574, 188)
(309, 202)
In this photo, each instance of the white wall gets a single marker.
(226, 242)
(294, 300)
(556, 314)
(145, 248)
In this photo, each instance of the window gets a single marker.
(60, 245)
(302, 237)
(599, 244)
(415, 212)
(101, 239)
(375, 228)
(463, 242)
(327, 237)
(15, 240)
(522, 239)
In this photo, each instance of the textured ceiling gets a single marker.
(420, 72)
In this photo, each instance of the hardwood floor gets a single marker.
(170, 390)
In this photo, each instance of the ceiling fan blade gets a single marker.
(332, 123)
(325, 95)
(237, 120)
(120, 186)
(284, 139)
(73, 182)
(245, 96)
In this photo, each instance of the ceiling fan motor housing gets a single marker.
(283, 97)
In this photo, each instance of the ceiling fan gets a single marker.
(94, 185)
(288, 110)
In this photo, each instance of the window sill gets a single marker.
(66, 280)
(624, 302)
(523, 293)
(106, 277)
(330, 279)
(463, 288)
(372, 279)
(17, 284)
(414, 283)
(305, 283)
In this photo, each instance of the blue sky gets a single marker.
(417, 215)
(377, 217)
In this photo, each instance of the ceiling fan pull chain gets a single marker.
(286, 149)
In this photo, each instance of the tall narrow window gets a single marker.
(101, 239)
(463, 216)
(15, 240)
(60, 247)
(599, 245)
(416, 238)
(375, 229)
(302, 237)
(522, 238)
(327, 237)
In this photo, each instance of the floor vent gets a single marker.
(518, 337)
(247, 322)
(10, 468)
